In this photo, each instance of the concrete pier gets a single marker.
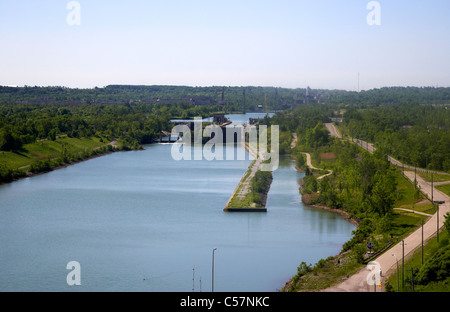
(244, 188)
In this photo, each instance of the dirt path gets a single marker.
(245, 189)
(310, 165)
(294, 140)
(413, 211)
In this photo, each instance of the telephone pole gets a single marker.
(403, 263)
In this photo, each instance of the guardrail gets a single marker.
(380, 251)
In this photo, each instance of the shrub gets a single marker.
(436, 268)
(447, 222)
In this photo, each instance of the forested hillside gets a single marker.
(401, 121)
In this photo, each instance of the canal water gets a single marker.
(141, 221)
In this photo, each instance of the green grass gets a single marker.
(236, 201)
(404, 223)
(444, 188)
(408, 196)
(336, 269)
(47, 149)
(436, 177)
(324, 274)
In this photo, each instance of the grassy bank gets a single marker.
(444, 188)
(46, 155)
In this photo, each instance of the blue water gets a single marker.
(140, 221)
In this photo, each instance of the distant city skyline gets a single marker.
(324, 44)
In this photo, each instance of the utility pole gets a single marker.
(422, 241)
(437, 214)
(403, 263)
(396, 260)
(193, 278)
(415, 176)
(432, 194)
(432, 201)
(212, 286)
(398, 290)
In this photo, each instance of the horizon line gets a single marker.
(227, 86)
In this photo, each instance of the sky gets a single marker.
(324, 44)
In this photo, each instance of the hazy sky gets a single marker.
(283, 43)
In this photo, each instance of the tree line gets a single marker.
(415, 134)
(133, 124)
(231, 98)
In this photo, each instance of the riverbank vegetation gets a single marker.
(45, 127)
(39, 137)
(255, 195)
(417, 135)
(364, 185)
(431, 275)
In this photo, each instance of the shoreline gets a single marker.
(341, 212)
(344, 213)
(30, 174)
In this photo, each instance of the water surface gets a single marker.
(140, 221)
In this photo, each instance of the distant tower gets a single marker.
(243, 94)
(223, 94)
(308, 90)
(358, 82)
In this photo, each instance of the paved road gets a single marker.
(387, 261)
(333, 130)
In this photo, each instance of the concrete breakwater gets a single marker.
(240, 200)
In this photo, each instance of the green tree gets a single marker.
(9, 141)
(447, 222)
(383, 194)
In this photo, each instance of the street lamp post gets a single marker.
(212, 287)
(403, 263)
(396, 260)
(422, 241)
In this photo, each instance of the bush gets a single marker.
(300, 160)
(303, 269)
(6, 174)
(447, 222)
(436, 268)
(260, 181)
(41, 166)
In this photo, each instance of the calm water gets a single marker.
(140, 221)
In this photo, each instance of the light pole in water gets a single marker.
(212, 287)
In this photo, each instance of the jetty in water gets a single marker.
(242, 198)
